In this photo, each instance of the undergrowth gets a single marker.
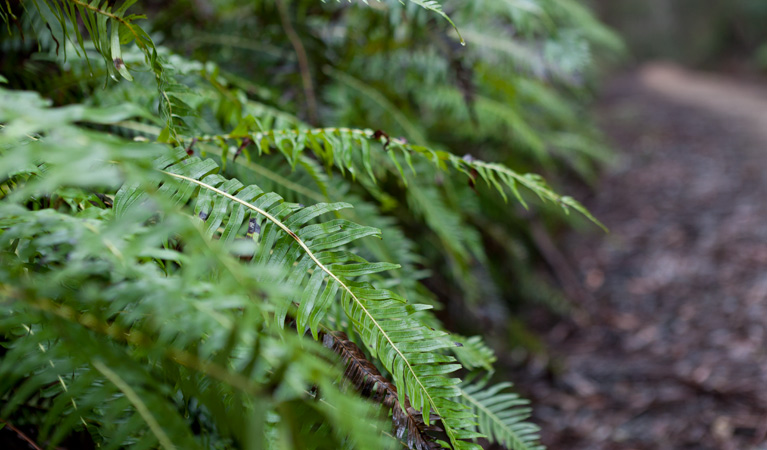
(252, 235)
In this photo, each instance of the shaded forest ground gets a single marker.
(668, 351)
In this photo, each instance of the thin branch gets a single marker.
(558, 262)
(303, 62)
(21, 435)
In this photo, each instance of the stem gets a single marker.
(303, 62)
(21, 435)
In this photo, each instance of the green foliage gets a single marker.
(501, 415)
(157, 250)
(109, 325)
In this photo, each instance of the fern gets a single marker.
(98, 248)
(335, 146)
(109, 29)
(404, 347)
(436, 7)
(146, 285)
(501, 416)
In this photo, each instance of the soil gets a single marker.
(667, 350)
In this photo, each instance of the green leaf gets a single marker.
(405, 347)
(436, 7)
(117, 56)
(501, 416)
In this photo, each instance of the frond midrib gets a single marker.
(519, 444)
(311, 255)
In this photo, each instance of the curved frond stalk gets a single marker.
(501, 415)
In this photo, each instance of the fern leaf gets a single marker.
(412, 131)
(334, 146)
(473, 353)
(137, 402)
(436, 7)
(405, 347)
(109, 28)
(501, 415)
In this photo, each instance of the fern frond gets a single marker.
(144, 290)
(109, 31)
(108, 26)
(350, 150)
(501, 415)
(95, 287)
(411, 130)
(436, 8)
(404, 346)
(473, 353)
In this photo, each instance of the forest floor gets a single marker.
(668, 350)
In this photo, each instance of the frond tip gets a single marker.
(435, 7)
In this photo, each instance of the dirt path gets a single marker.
(673, 354)
(726, 97)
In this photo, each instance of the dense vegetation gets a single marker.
(171, 215)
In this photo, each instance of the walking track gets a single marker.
(670, 351)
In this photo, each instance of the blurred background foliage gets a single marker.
(690, 31)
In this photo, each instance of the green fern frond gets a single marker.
(411, 130)
(473, 353)
(159, 315)
(109, 28)
(434, 7)
(501, 415)
(145, 289)
(404, 346)
(350, 150)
